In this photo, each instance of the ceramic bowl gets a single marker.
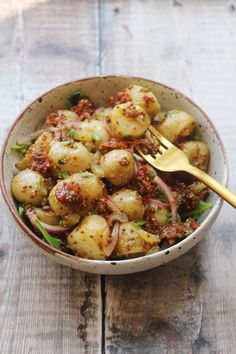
(99, 89)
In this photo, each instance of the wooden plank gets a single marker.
(45, 307)
(189, 305)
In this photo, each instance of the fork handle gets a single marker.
(213, 184)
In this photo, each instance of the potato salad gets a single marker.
(82, 188)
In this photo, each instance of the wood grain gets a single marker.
(44, 307)
(189, 305)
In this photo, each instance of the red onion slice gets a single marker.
(122, 218)
(114, 239)
(157, 202)
(51, 229)
(106, 127)
(27, 138)
(167, 190)
(113, 206)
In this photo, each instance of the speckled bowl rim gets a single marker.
(40, 243)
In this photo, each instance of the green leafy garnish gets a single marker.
(71, 133)
(73, 99)
(21, 148)
(151, 175)
(63, 174)
(139, 223)
(199, 210)
(54, 242)
(21, 211)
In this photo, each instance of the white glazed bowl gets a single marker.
(99, 89)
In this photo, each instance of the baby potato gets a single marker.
(129, 120)
(68, 215)
(178, 124)
(144, 98)
(134, 241)
(90, 189)
(69, 156)
(92, 131)
(91, 238)
(161, 216)
(118, 166)
(29, 187)
(90, 185)
(43, 140)
(130, 203)
(198, 153)
(67, 116)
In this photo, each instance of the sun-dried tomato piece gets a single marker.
(70, 193)
(120, 97)
(84, 108)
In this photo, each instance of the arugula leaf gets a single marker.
(21, 211)
(73, 99)
(139, 223)
(199, 210)
(71, 133)
(54, 242)
(21, 148)
(63, 174)
(151, 175)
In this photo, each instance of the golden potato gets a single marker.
(118, 166)
(130, 203)
(178, 124)
(69, 156)
(91, 238)
(90, 185)
(29, 187)
(134, 241)
(92, 131)
(68, 215)
(144, 98)
(198, 153)
(129, 120)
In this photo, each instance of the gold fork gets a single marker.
(172, 159)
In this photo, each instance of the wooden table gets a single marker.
(187, 306)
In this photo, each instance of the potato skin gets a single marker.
(118, 166)
(92, 132)
(91, 186)
(134, 241)
(91, 238)
(177, 125)
(70, 157)
(29, 187)
(198, 153)
(161, 216)
(91, 190)
(130, 203)
(144, 98)
(69, 217)
(43, 140)
(129, 120)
